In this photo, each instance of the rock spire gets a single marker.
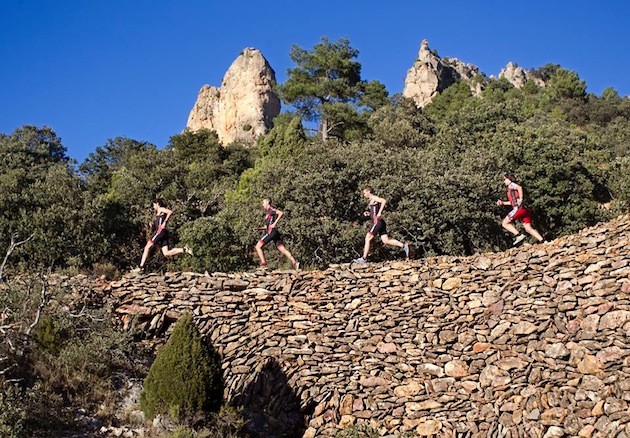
(245, 104)
(430, 75)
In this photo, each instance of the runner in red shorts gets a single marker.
(520, 211)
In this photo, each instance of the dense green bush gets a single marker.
(215, 244)
(185, 378)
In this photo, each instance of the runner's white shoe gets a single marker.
(518, 239)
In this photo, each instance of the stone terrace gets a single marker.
(529, 342)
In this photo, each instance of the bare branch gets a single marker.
(11, 346)
(6, 370)
(3, 328)
(42, 304)
(12, 247)
(333, 126)
(80, 314)
(13, 380)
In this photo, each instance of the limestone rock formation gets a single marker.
(518, 76)
(430, 75)
(244, 106)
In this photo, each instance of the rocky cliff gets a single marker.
(430, 75)
(518, 76)
(244, 106)
(529, 342)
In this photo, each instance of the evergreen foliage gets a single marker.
(326, 87)
(185, 378)
(439, 167)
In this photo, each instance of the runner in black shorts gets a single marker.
(376, 205)
(272, 216)
(160, 235)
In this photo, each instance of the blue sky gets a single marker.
(98, 69)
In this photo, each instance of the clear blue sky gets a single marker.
(98, 69)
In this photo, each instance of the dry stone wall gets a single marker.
(529, 342)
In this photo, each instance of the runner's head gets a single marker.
(266, 203)
(367, 191)
(158, 202)
(509, 178)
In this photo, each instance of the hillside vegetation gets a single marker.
(440, 168)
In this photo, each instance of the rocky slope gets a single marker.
(244, 106)
(528, 342)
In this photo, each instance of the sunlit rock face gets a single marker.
(245, 104)
(430, 75)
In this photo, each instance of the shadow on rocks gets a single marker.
(271, 408)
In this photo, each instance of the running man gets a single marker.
(520, 211)
(376, 205)
(160, 235)
(272, 216)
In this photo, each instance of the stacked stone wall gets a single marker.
(529, 342)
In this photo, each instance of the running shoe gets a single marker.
(518, 239)
(296, 266)
(360, 260)
(406, 251)
(137, 270)
(188, 250)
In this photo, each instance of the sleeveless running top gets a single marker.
(159, 220)
(512, 194)
(270, 217)
(374, 208)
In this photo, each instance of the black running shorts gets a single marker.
(161, 239)
(379, 228)
(274, 236)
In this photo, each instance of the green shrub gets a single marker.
(227, 423)
(48, 335)
(358, 431)
(215, 243)
(12, 412)
(106, 269)
(185, 378)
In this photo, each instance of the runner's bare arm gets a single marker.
(381, 201)
(279, 215)
(520, 195)
(168, 214)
